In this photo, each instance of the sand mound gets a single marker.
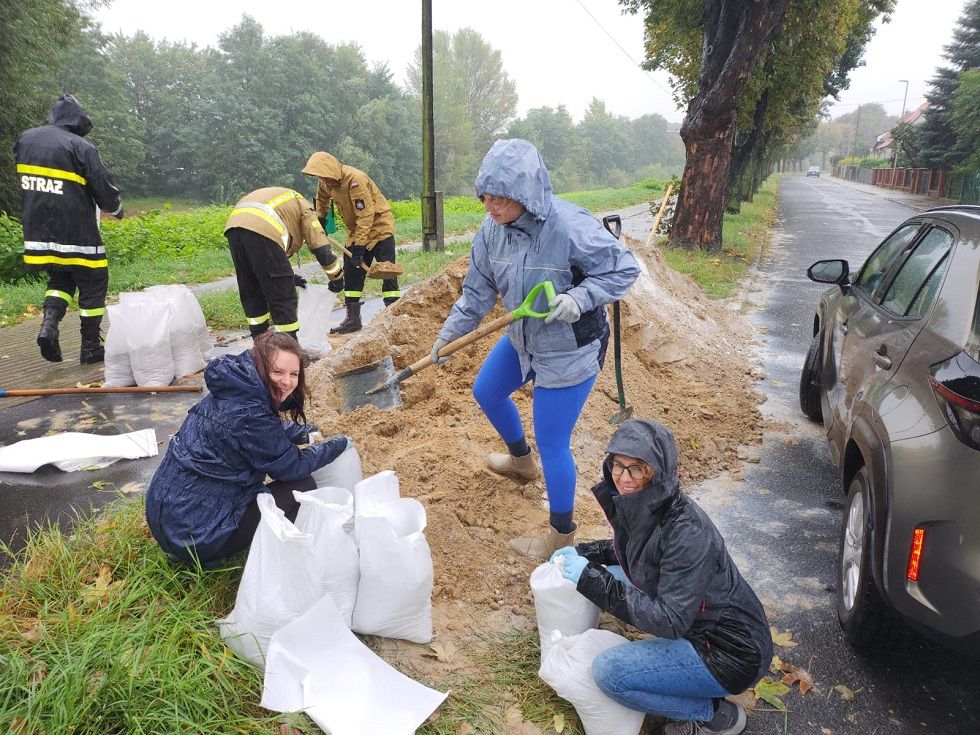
(684, 364)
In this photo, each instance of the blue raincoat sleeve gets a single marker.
(270, 450)
(298, 433)
(611, 267)
(479, 293)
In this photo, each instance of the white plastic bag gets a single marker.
(559, 606)
(315, 308)
(567, 668)
(118, 368)
(149, 343)
(327, 514)
(186, 325)
(279, 583)
(345, 471)
(394, 594)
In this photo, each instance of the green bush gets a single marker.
(11, 249)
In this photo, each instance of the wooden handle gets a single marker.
(113, 389)
(345, 251)
(656, 221)
(457, 344)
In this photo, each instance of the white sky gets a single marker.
(557, 51)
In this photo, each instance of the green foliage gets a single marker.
(11, 249)
(864, 162)
(965, 117)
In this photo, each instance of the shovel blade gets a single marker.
(353, 386)
(623, 415)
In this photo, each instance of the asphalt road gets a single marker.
(783, 520)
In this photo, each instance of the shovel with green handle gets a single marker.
(385, 393)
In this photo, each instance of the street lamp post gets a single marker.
(901, 117)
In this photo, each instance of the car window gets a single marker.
(916, 269)
(873, 273)
(927, 293)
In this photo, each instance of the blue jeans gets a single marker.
(657, 675)
(555, 412)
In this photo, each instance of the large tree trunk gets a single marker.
(733, 35)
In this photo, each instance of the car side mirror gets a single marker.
(829, 271)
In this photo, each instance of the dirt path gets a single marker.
(685, 363)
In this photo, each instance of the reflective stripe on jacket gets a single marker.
(282, 215)
(63, 182)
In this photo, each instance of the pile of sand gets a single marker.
(685, 363)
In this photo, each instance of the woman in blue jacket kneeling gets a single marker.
(667, 572)
(201, 503)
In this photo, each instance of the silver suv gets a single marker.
(893, 372)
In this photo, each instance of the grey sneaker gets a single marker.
(729, 719)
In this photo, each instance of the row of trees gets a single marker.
(176, 120)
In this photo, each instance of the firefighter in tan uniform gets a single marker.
(370, 229)
(265, 228)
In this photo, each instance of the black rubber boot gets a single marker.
(92, 350)
(390, 300)
(47, 338)
(353, 321)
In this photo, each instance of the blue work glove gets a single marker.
(564, 551)
(573, 566)
(439, 344)
(565, 308)
(299, 281)
(357, 255)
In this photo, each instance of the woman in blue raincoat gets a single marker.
(531, 236)
(201, 503)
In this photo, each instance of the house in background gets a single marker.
(883, 145)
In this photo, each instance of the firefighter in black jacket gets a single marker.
(63, 185)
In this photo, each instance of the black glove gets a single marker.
(336, 285)
(323, 222)
(299, 281)
(357, 255)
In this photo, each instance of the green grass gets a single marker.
(744, 235)
(142, 205)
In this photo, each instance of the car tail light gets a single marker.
(915, 554)
(956, 384)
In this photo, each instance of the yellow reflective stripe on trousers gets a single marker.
(53, 173)
(256, 320)
(54, 259)
(286, 327)
(59, 295)
(353, 294)
(391, 294)
(92, 312)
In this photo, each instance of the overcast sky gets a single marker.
(557, 51)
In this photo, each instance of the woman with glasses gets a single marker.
(667, 572)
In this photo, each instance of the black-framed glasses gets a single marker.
(636, 471)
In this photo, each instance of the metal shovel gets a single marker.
(380, 376)
(614, 224)
(381, 269)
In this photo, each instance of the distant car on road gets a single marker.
(893, 372)
(813, 171)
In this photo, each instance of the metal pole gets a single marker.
(428, 135)
(900, 119)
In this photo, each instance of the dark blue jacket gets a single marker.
(217, 462)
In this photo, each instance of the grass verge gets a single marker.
(744, 235)
(101, 633)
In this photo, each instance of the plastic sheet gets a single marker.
(73, 451)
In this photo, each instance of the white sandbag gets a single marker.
(279, 583)
(558, 605)
(186, 323)
(567, 668)
(394, 594)
(345, 471)
(327, 514)
(149, 344)
(314, 311)
(118, 368)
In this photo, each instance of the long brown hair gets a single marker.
(266, 346)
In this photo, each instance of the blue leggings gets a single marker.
(555, 412)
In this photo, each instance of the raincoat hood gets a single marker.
(68, 114)
(654, 444)
(236, 377)
(323, 164)
(514, 169)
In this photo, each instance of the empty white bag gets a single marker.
(314, 311)
(327, 514)
(345, 471)
(558, 605)
(280, 582)
(394, 594)
(149, 344)
(189, 338)
(567, 668)
(118, 368)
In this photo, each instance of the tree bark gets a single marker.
(733, 35)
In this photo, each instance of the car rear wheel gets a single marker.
(810, 382)
(866, 620)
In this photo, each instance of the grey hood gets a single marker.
(654, 444)
(514, 169)
(68, 114)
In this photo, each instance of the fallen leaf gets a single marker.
(559, 723)
(770, 691)
(21, 433)
(465, 729)
(289, 730)
(444, 652)
(33, 635)
(517, 725)
(99, 484)
(19, 726)
(38, 675)
(104, 585)
(783, 640)
(846, 693)
(132, 487)
(776, 665)
(796, 675)
(826, 731)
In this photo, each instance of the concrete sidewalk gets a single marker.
(917, 202)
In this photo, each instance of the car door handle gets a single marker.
(882, 360)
